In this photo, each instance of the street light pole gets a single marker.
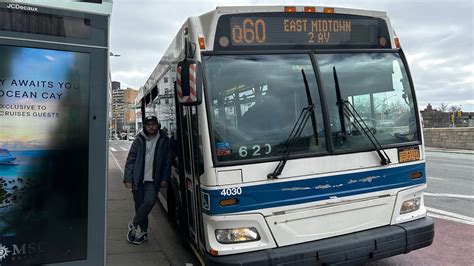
(114, 116)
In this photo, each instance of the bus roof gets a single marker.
(206, 24)
(253, 9)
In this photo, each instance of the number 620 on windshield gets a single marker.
(255, 150)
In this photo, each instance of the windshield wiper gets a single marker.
(295, 133)
(310, 103)
(346, 108)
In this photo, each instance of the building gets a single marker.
(163, 106)
(164, 103)
(115, 85)
(128, 110)
(123, 111)
(433, 118)
(117, 114)
(138, 110)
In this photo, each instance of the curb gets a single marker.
(429, 149)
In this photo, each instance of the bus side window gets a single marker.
(196, 139)
(174, 149)
(185, 138)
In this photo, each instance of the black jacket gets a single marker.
(134, 167)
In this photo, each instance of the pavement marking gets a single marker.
(450, 216)
(118, 165)
(449, 195)
(113, 149)
(435, 178)
(456, 165)
(123, 149)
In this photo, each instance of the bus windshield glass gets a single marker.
(255, 100)
(377, 85)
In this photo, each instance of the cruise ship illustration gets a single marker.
(6, 157)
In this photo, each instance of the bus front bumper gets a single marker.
(356, 248)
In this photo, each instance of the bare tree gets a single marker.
(166, 112)
(443, 107)
(454, 108)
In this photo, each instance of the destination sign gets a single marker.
(315, 30)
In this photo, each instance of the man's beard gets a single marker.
(149, 134)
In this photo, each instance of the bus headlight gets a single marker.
(237, 235)
(410, 205)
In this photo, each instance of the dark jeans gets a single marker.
(144, 198)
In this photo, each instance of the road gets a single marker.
(449, 200)
(450, 192)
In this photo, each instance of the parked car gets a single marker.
(370, 122)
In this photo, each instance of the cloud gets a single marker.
(436, 37)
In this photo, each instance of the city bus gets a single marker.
(54, 78)
(296, 135)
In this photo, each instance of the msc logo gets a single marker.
(25, 249)
(3, 252)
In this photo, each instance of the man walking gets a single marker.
(148, 168)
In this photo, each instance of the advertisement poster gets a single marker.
(44, 114)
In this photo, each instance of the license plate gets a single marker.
(408, 154)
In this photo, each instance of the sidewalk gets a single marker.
(433, 149)
(119, 213)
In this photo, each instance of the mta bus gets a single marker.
(54, 80)
(296, 134)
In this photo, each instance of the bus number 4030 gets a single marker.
(249, 32)
(231, 191)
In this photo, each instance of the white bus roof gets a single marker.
(253, 9)
(206, 24)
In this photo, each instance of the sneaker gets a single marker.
(140, 236)
(132, 230)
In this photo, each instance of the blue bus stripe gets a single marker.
(276, 194)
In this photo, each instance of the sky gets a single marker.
(436, 37)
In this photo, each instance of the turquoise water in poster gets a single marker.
(44, 114)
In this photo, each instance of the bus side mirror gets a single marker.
(189, 82)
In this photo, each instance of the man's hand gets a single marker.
(128, 185)
(164, 184)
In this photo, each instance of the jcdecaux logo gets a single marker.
(22, 7)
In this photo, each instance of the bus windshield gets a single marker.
(377, 85)
(255, 100)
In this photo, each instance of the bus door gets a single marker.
(192, 171)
